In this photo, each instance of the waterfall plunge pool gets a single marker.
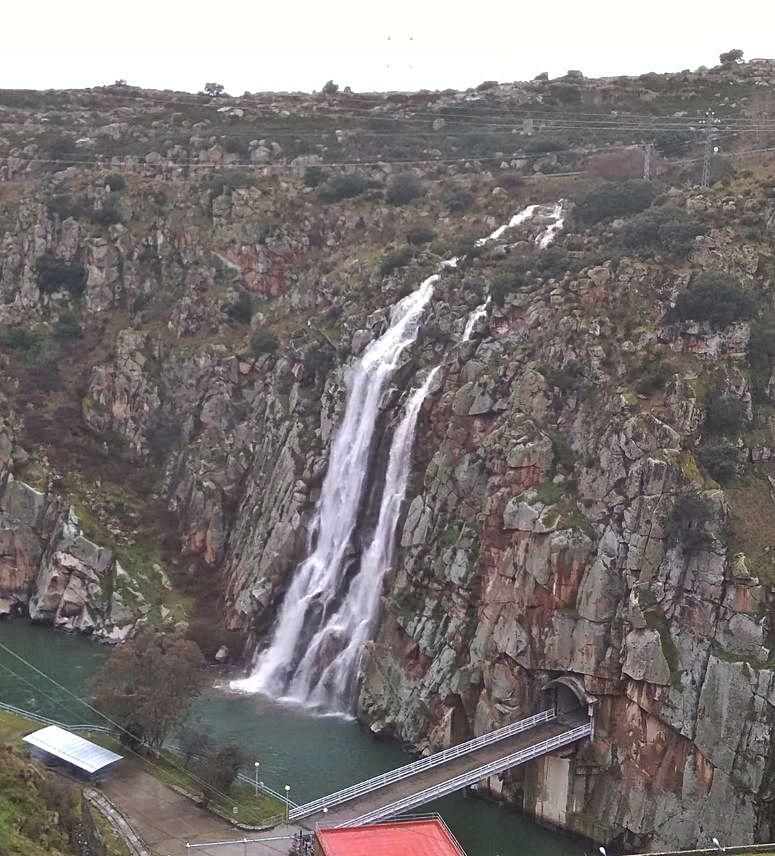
(315, 755)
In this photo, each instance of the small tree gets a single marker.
(218, 769)
(394, 260)
(346, 186)
(724, 414)
(116, 182)
(193, 742)
(241, 310)
(314, 176)
(147, 684)
(615, 199)
(420, 235)
(330, 88)
(717, 298)
(214, 89)
(263, 342)
(720, 461)
(690, 520)
(404, 188)
(735, 55)
(458, 201)
(55, 274)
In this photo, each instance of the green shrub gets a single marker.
(396, 259)
(62, 149)
(615, 199)
(720, 461)
(241, 310)
(227, 180)
(263, 342)
(689, 520)
(466, 245)
(67, 327)
(55, 274)
(403, 189)
(672, 142)
(717, 298)
(724, 414)
(545, 145)
(458, 201)
(567, 377)
(116, 182)
(761, 346)
(420, 235)
(665, 228)
(330, 88)
(346, 186)
(554, 262)
(237, 146)
(314, 176)
(654, 376)
(22, 340)
(63, 205)
(108, 213)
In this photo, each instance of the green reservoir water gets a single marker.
(314, 755)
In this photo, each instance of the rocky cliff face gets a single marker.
(591, 488)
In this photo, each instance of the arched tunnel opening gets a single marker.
(567, 696)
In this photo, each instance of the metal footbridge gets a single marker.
(445, 772)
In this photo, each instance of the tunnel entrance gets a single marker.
(567, 696)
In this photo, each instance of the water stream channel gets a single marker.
(314, 754)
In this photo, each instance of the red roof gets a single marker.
(405, 837)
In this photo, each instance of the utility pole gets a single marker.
(710, 119)
(647, 151)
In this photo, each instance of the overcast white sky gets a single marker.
(394, 44)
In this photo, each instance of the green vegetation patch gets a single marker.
(717, 298)
(614, 199)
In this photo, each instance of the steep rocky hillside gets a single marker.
(183, 282)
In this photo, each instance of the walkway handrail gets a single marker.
(47, 720)
(421, 765)
(472, 776)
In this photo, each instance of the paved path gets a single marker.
(435, 775)
(165, 820)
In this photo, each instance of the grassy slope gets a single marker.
(28, 827)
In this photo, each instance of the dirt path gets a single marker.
(165, 820)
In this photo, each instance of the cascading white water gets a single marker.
(479, 312)
(317, 581)
(326, 616)
(554, 228)
(351, 625)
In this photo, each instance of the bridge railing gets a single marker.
(459, 782)
(423, 764)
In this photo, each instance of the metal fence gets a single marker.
(469, 778)
(46, 720)
(423, 764)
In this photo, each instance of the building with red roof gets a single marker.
(423, 837)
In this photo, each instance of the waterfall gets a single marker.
(332, 603)
(352, 624)
(554, 228)
(479, 312)
(318, 581)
